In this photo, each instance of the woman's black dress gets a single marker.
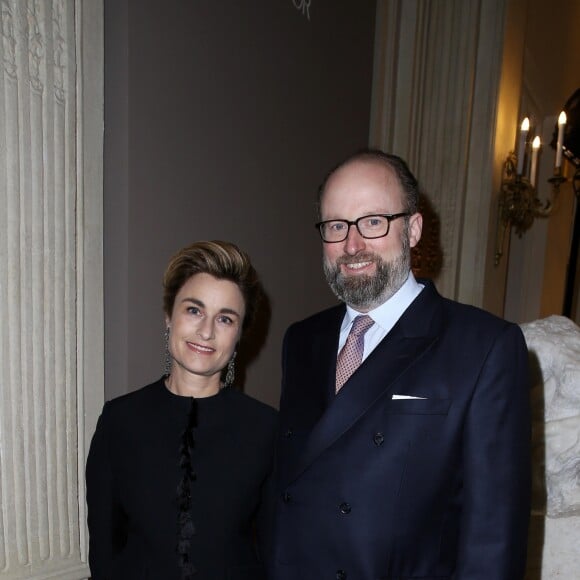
(133, 475)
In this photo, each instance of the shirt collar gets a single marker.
(387, 314)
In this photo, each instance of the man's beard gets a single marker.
(365, 292)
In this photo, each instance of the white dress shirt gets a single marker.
(384, 316)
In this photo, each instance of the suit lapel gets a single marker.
(304, 403)
(326, 345)
(373, 380)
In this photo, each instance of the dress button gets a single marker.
(340, 575)
(378, 439)
(344, 509)
(286, 497)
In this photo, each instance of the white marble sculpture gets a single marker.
(554, 345)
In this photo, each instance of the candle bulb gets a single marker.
(533, 170)
(560, 143)
(524, 128)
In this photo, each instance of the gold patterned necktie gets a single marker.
(351, 354)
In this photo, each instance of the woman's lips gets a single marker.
(199, 348)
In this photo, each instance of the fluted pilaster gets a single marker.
(42, 441)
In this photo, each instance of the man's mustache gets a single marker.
(360, 257)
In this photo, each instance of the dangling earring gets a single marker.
(167, 354)
(231, 371)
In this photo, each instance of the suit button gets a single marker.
(344, 509)
(288, 433)
(286, 497)
(378, 439)
(340, 575)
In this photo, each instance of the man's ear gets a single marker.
(415, 229)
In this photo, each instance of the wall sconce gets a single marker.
(518, 204)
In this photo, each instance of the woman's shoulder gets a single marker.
(250, 406)
(142, 398)
(255, 422)
(132, 415)
(242, 398)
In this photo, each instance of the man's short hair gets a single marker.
(396, 164)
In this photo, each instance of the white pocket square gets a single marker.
(399, 397)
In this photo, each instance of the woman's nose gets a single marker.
(205, 329)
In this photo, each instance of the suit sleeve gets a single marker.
(285, 342)
(497, 477)
(105, 518)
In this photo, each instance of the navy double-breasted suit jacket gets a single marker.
(371, 484)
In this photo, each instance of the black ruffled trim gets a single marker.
(186, 529)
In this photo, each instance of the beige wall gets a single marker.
(550, 74)
(555, 74)
(505, 134)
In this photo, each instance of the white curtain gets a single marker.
(435, 93)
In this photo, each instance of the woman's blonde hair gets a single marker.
(222, 260)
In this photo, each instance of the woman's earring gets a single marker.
(231, 371)
(167, 354)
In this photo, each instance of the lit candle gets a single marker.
(535, 148)
(560, 143)
(525, 127)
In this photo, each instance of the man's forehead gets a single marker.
(358, 175)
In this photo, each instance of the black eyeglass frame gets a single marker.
(388, 216)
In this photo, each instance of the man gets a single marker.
(416, 463)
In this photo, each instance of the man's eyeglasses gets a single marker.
(368, 226)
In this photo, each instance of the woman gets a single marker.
(176, 470)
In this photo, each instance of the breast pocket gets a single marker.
(416, 420)
(419, 406)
